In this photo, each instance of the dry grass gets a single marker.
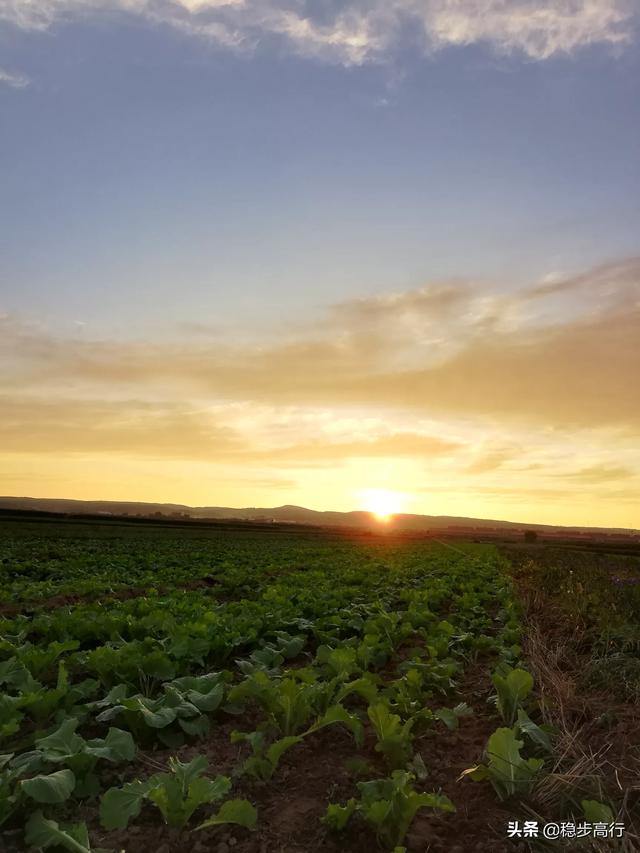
(580, 769)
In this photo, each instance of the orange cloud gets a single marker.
(453, 382)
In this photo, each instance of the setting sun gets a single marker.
(383, 503)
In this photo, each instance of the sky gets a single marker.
(257, 252)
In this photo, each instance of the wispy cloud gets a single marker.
(439, 351)
(13, 79)
(354, 32)
(490, 460)
(173, 431)
(599, 474)
(454, 389)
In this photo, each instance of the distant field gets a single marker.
(292, 691)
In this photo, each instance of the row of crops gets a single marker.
(131, 653)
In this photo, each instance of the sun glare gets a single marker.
(383, 503)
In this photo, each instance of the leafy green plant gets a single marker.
(506, 769)
(407, 693)
(185, 701)
(269, 657)
(38, 660)
(80, 756)
(394, 737)
(335, 691)
(177, 794)
(295, 706)
(389, 805)
(436, 676)
(287, 702)
(254, 603)
(451, 716)
(512, 689)
(339, 714)
(265, 757)
(341, 661)
(35, 699)
(141, 664)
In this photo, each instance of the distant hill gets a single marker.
(286, 513)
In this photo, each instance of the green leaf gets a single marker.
(394, 737)
(115, 696)
(209, 790)
(42, 833)
(63, 742)
(418, 767)
(119, 745)
(596, 812)
(337, 816)
(207, 701)
(241, 812)
(447, 716)
(279, 747)
(378, 812)
(432, 801)
(364, 687)
(15, 674)
(289, 646)
(119, 805)
(54, 788)
(157, 719)
(538, 735)
(512, 690)
(167, 796)
(339, 714)
(195, 728)
(187, 772)
(504, 752)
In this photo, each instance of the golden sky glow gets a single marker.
(442, 400)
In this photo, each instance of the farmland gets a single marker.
(217, 689)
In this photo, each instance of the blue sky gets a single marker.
(177, 171)
(139, 159)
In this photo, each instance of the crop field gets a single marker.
(172, 689)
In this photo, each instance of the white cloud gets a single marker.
(353, 32)
(13, 80)
(538, 28)
(437, 351)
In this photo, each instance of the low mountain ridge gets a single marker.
(286, 513)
